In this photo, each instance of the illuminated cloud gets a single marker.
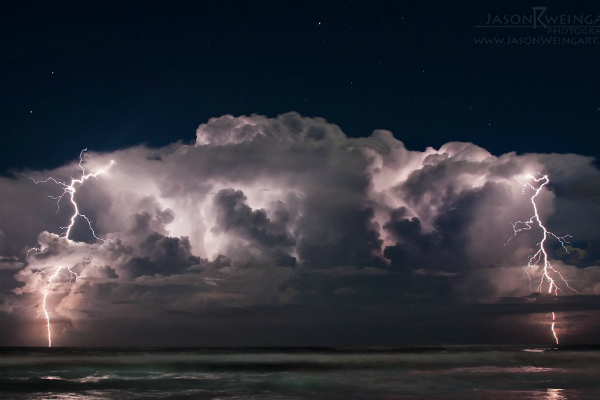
(288, 212)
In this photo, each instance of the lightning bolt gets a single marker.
(71, 189)
(68, 190)
(49, 327)
(550, 275)
(541, 255)
(552, 327)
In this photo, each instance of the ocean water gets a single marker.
(225, 374)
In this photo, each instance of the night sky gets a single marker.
(251, 202)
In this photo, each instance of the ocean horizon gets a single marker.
(562, 372)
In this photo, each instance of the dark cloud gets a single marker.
(233, 214)
(162, 255)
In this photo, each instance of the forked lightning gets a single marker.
(69, 190)
(550, 276)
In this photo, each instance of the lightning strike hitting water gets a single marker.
(70, 190)
(49, 327)
(552, 327)
(550, 275)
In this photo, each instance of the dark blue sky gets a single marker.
(111, 74)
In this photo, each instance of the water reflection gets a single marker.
(554, 394)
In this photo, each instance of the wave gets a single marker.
(443, 373)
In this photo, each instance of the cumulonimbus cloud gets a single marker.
(290, 210)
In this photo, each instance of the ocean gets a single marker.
(481, 372)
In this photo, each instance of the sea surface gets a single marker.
(484, 372)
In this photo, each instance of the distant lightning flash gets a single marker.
(550, 275)
(69, 190)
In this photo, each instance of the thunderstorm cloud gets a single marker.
(265, 228)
